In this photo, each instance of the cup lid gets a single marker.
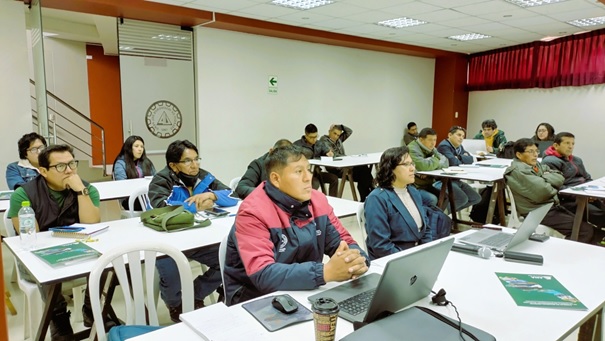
(325, 304)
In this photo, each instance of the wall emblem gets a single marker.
(163, 119)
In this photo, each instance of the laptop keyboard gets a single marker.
(357, 304)
(497, 240)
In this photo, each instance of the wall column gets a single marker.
(450, 95)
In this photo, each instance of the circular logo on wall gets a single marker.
(163, 119)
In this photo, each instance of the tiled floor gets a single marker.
(111, 211)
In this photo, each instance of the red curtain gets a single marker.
(570, 61)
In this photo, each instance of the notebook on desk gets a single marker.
(501, 241)
(402, 283)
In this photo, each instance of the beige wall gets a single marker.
(579, 110)
(14, 83)
(374, 93)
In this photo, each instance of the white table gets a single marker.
(110, 190)
(4, 205)
(471, 284)
(121, 232)
(582, 195)
(495, 175)
(346, 163)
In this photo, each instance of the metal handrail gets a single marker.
(88, 119)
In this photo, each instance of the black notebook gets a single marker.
(273, 319)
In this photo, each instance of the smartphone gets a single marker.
(217, 212)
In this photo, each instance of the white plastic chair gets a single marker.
(32, 303)
(222, 256)
(32, 300)
(361, 221)
(133, 281)
(233, 183)
(514, 221)
(141, 194)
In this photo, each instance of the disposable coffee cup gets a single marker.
(325, 315)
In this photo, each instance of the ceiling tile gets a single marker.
(486, 7)
(269, 11)
(304, 18)
(564, 6)
(338, 9)
(463, 22)
(581, 14)
(410, 9)
(375, 4)
(335, 23)
(441, 15)
(231, 5)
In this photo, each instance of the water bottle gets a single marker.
(27, 226)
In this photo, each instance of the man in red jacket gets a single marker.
(282, 231)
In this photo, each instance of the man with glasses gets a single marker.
(534, 184)
(59, 197)
(183, 182)
(26, 169)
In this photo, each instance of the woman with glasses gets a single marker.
(132, 163)
(452, 149)
(544, 132)
(26, 169)
(395, 217)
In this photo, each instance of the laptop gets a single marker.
(501, 241)
(402, 283)
(474, 146)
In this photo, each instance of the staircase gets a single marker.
(67, 125)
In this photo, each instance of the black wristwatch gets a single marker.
(84, 191)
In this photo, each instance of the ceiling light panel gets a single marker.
(533, 3)
(401, 22)
(588, 22)
(301, 4)
(469, 36)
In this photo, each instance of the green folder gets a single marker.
(536, 290)
(66, 254)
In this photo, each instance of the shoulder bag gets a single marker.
(171, 219)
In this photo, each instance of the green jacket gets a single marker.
(426, 160)
(499, 140)
(532, 188)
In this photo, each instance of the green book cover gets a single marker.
(542, 291)
(66, 253)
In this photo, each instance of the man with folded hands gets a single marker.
(282, 232)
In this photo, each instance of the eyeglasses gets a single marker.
(61, 167)
(532, 151)
(36, 150)
(187, 162)
(406, 164)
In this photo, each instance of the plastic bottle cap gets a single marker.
(25, 204)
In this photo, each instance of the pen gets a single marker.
(232, 215)
(493, 228)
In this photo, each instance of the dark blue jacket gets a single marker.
(389, 224)
(455, 158)
(166, 189)
(278, 243)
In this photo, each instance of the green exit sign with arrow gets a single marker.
(272, 85)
